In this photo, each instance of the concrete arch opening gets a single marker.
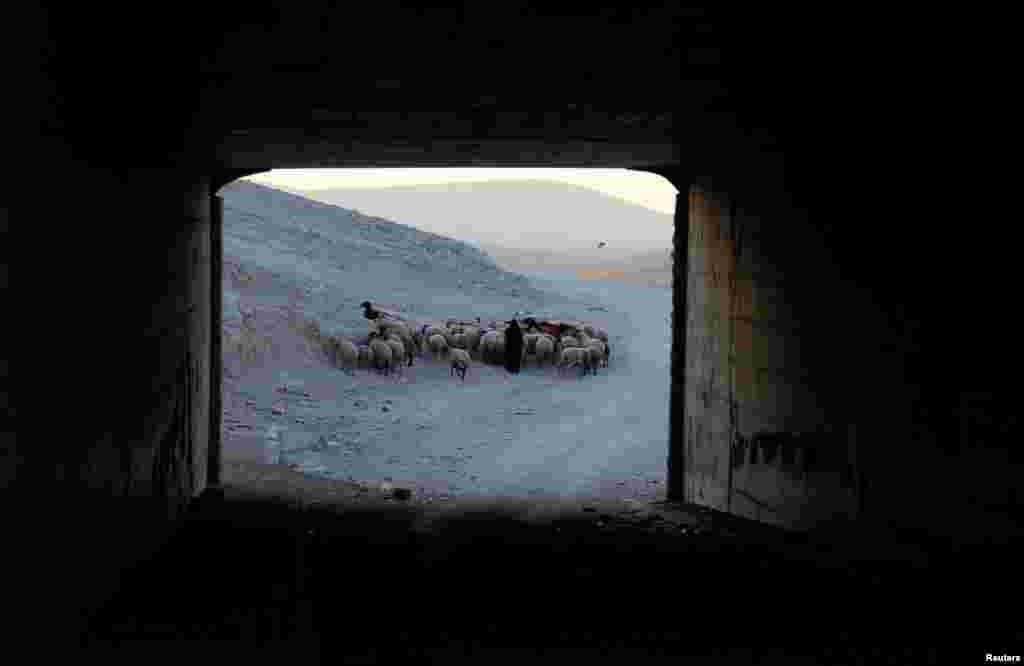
(820, 326)
(604, 438)
(753, 447)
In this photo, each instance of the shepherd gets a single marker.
(513, 347)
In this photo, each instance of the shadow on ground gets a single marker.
(353, 570)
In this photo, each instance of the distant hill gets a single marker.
(647, 269)
(534, 215)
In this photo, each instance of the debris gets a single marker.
(385, 408)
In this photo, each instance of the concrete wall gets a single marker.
(827, 373)
(116, 444)
(794, 381)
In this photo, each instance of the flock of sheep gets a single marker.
(393, 344)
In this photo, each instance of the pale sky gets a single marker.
(645, 189)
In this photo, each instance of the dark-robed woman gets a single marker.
(513, 347)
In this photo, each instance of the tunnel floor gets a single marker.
(332, 569)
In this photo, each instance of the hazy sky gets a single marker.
(645, 189)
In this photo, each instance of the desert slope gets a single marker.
(293, 266)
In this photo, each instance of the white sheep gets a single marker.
(473, 341)
(427, 331)
(449, 335)
(492, 347)
(382, 354)
(460, 362)
(366, 357)
(346, 354)
(399, 355)
(545, 349)
(460, 341)
(416, 337)
(596, 350)
(400, 328)
(567, 342)
(407, 341)
(530, 343)
(438, 346)
(574, 357)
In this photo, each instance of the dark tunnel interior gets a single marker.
(889, 288)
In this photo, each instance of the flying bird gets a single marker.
(601, 244)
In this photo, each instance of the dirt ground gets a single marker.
(330, 569)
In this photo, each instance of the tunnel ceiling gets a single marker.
(269, 85)
(486, 62)
(277, 85)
